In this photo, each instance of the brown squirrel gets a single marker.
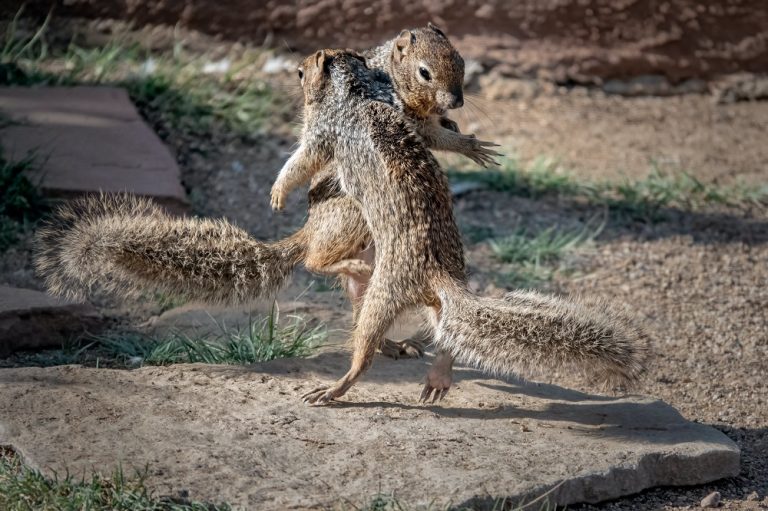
(128, 245)
(353, 121)
(427, 75)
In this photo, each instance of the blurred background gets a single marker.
(525, 51)
(635, 168)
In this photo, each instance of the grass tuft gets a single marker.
(534, 258)
(543, 177)
(22, 488)
(260, 341)
(20, 200)
(15, 48)
(643, 200)
(647, 198)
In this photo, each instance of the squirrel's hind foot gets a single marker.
(407, 348)
(320, 396)
(438, 380)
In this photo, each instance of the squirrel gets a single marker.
(129, 245)
(427, 75)
(352, 123)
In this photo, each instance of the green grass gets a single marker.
(533, 258)
(324, 284)
(259, 341)
(543, 177)
(543, 247)
(20, 200)
(171, 87)
(647, 198)
(474, 233)
(22, 488)
(644, 199)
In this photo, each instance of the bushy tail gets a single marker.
(530, 334)
(128, 245)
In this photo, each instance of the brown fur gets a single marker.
(128, 245)
(383, 164)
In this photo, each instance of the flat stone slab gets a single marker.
(91, 139)
(241, 435)
(31, 320)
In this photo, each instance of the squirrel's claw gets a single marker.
(480, 152)
(277, 199)
(319, 396)
(438, 380)
(408, 348)
(435, 394)
(485, 159)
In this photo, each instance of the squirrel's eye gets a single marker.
(424, 73)
(301, 74)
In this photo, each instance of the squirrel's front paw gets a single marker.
(449, 125)
(277, 198)
(479, 151)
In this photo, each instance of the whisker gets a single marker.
(474, 105)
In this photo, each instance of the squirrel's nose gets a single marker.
(458, 99)
(450, 99)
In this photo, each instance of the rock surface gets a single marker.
(240, 434)
(31, 320)
(711, 500)
(91, 139)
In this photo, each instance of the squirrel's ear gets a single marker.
(434, 28)
(320, 59)
(356, 55)
(403, 44)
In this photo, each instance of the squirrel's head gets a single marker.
(428, 70)
(315, 71)
(313, 74)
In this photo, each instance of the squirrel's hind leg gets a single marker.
(377, 313)
(353, 268)
(412, 347)
(440, 374)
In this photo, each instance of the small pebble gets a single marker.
(711, 500)
(754, 497)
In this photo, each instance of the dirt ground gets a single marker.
(699, 279)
